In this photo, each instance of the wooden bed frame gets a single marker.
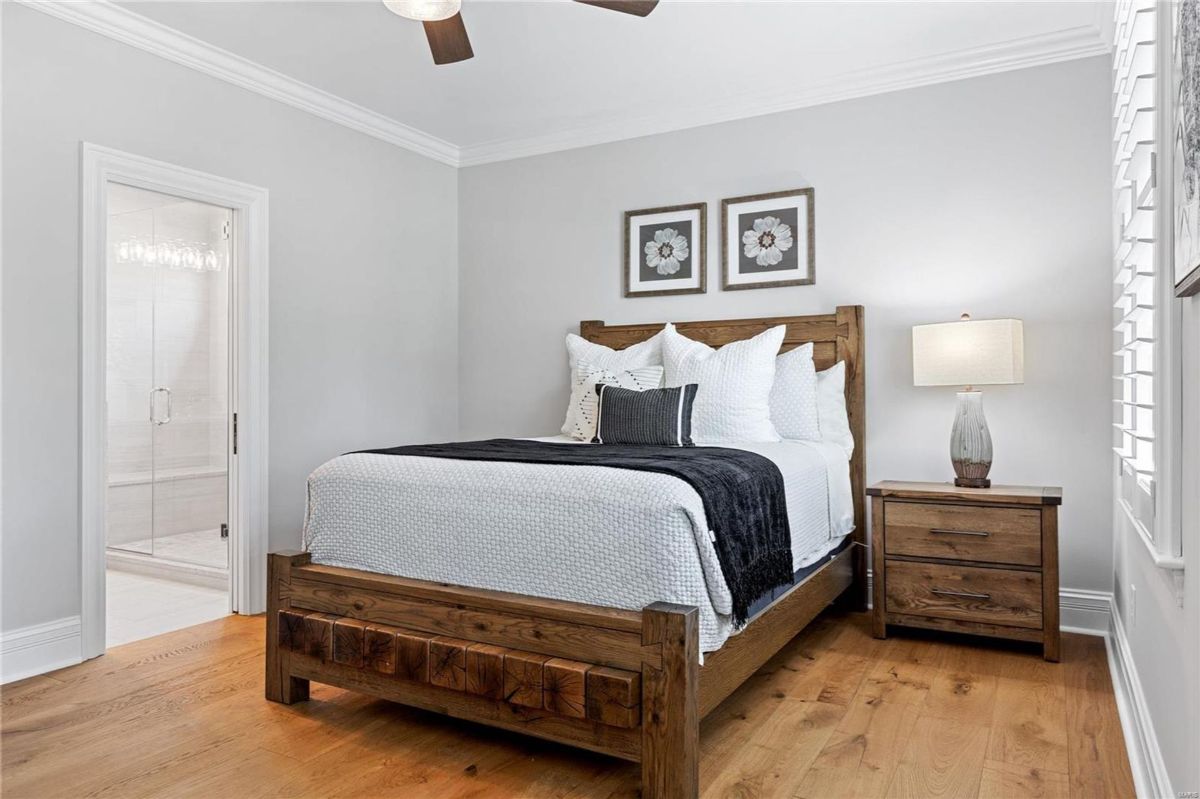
(621, 682)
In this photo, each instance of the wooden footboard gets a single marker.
(624, 683)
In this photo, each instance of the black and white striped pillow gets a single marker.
(657, 416)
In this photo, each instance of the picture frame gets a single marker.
(1185, 142)
(754, 230)
(666, 251)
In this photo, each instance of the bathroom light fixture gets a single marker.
(175, 254)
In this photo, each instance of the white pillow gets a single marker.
(831, 407)
(581, 413)
(794, 395)
(598, 356)
(644, 353)
(733, 402)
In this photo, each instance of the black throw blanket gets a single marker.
(742, 493)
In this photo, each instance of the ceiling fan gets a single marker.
(448, 36)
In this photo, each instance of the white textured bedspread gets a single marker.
(590, 534)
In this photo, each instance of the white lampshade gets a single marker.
(424, 10)
(969, 353)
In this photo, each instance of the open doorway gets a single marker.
(169, 264)
(174, 398)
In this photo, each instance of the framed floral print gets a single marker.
(665, 251)
(767, 240)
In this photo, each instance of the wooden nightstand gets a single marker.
(968, 560)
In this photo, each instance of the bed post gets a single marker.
(281, 685)
(851, 348)
(670, 703)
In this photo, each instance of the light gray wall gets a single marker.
(989, 195)
(363, 282)
(1162, 618)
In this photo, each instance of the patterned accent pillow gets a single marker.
(658, 417)
(581, 413)
(733, 404)
(794, 395)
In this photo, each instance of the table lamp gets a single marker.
(969, 353)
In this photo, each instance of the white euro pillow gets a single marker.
(581, 413)
(794, 395)
(831, 407)
(733, 403)
(597, 356)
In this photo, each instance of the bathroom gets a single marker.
(169, 431)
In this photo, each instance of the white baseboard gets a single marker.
(40, 648)
(1150, 777)
(1085, 612)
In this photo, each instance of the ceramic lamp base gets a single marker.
(970, 442)
(967, 482)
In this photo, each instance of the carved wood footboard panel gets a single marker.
(623, 683)
(524, 680)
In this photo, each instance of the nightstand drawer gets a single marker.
(966, 593)
(964, 532)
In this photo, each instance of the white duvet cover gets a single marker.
(591, 534)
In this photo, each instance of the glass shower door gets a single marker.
(174, 254)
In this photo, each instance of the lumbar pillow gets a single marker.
(794, 395)
(831, 407)
(733, 402)
(580, 350)
(581, 412)
(659, 417)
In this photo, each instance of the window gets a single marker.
(1142, 312)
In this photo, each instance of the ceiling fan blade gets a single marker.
(448, 40)
(639, 8)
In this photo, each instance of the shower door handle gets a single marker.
(153, 414)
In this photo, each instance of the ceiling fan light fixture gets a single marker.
(424, 10)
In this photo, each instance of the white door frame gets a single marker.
(248, 385)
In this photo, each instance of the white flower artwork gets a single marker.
(667, 251)
(664, 251)
(769, 239)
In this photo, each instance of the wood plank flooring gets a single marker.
(835, 714)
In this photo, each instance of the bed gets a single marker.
(582, 668)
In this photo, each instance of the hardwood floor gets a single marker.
(835, 714)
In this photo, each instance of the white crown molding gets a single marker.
(123, 25)
(128, 27)
(1031, 51)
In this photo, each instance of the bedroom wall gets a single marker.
(363, 298)
(1160, 614)
(989, 195)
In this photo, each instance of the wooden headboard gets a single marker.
(836, 337)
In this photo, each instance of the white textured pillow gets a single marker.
(581, 413)
(644, 353)
(598, 356)
(794, 395)
(733, 402)
(831, 407)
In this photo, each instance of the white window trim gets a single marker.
(1165, 543)
(248, 470)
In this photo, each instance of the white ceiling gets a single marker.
(552, 74)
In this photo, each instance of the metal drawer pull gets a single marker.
(978, 533)
(963, 594)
